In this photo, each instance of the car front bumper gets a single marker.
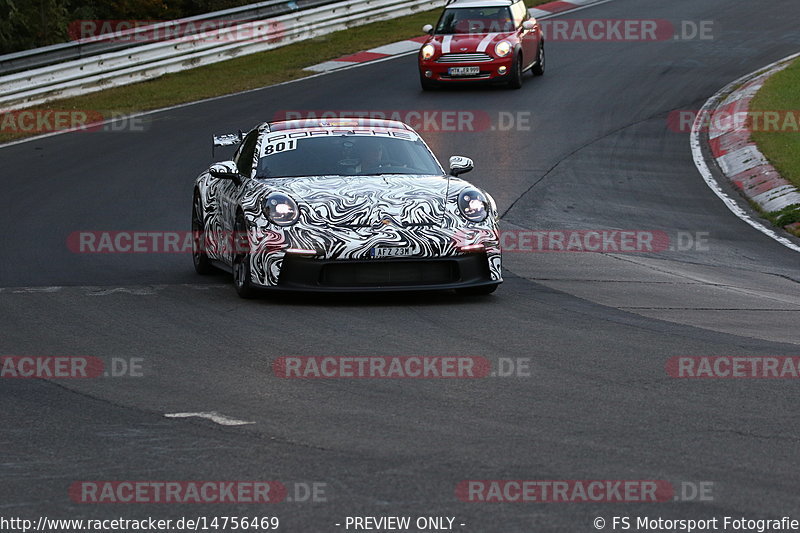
(490, 71)
(301, 273)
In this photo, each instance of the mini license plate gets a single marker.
(464, 71)
(395, 251)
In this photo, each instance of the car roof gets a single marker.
(355, 122)
(480, 3)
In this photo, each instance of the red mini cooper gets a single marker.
(482, 40)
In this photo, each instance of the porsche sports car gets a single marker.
(482, 41)
(343, 205)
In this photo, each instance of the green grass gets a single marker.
(242, 73)
(782, 148)
(786, 216)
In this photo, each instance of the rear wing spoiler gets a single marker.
(226, 139)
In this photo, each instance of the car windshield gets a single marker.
(475, 20)
(284, 156)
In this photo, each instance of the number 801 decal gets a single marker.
(280, 146)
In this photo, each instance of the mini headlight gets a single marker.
(427, 51)
(473, 205)
(502, 49)
(280, 209)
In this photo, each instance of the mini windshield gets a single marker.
(475, 20)
(344, 155)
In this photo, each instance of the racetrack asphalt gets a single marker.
(597, 328)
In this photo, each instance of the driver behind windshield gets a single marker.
(346, 155)
(362, 156)
(475, 20)
(371, 158)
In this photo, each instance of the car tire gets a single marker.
(241, 259)
(202, 264)
(515, 77)
(538, 68)
(481, 290)
(426, 84)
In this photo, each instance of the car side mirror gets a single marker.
(223, 171)
(427, 28)
(460, 165)
(528, 25)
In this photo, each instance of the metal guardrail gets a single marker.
(120, 40)
(154, 59)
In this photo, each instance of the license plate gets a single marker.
(396, 251)
(464, 71)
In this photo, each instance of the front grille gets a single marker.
(389, 273)
(307, 273)
(475, 57)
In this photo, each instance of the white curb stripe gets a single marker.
(538, 13)
(400, 47)
(217, 418)
(328, 65)
(746, 93)
(741, 160)
(778, 198)
(705, 171)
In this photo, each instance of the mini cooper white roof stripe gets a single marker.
(446, 44)
(484, 44)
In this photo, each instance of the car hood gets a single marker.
(372, 201)
(465, 43)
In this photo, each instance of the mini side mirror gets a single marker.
(460, 165)
(427, 28)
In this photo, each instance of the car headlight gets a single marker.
(473, 205)
(502, 49)
(427, 51)
(280, 209)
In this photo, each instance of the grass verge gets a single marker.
(242, 73)
(782, 148)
